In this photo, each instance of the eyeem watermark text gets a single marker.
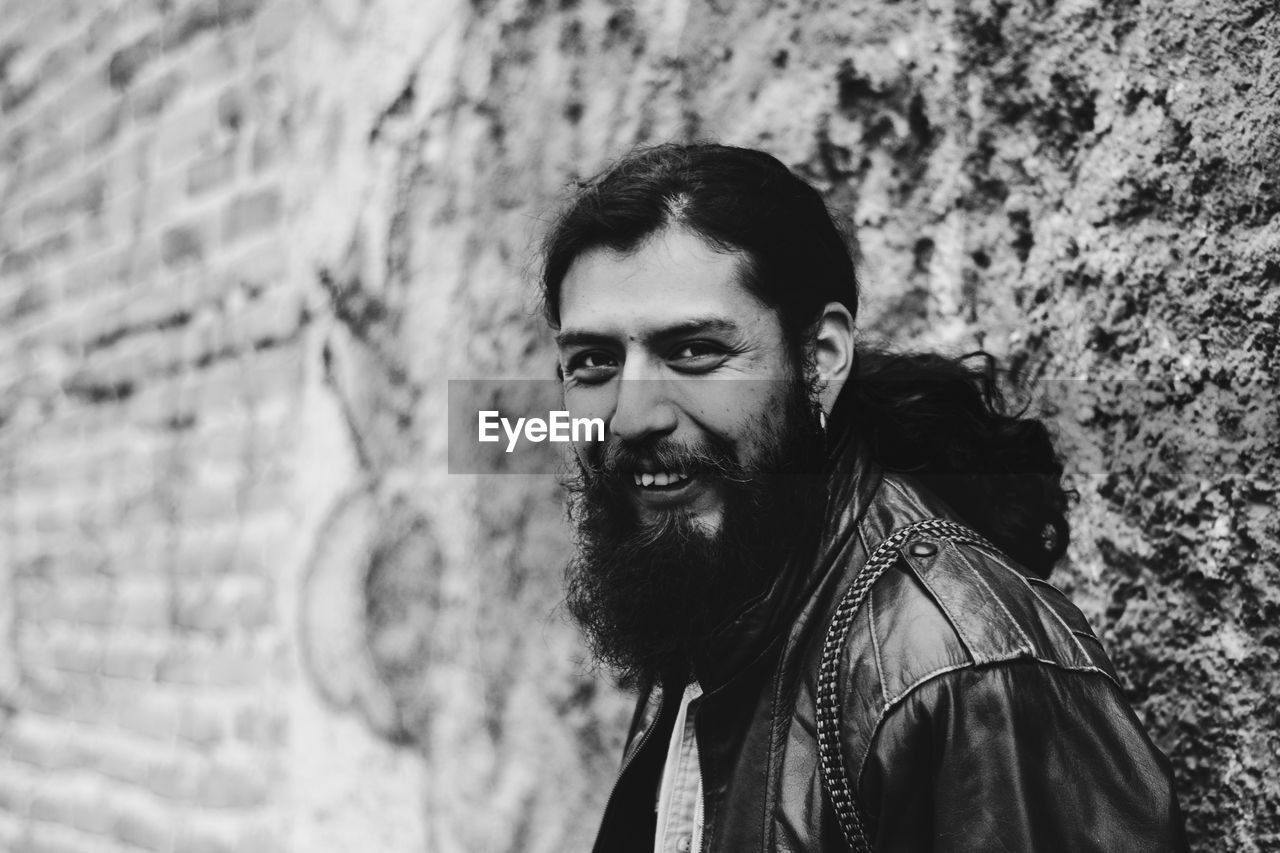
(558, 426)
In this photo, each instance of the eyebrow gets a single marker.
(696, 326)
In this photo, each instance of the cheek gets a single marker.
(595, 401)
(737, 409)
(586, 405)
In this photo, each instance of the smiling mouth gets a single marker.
(660, 479)
(667, 489)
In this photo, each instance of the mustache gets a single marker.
(617, 461)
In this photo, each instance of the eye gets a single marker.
(698, 356)
(591, 367)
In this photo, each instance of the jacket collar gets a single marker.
(852, 480)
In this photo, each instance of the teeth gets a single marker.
(662, 478)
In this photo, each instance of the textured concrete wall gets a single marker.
(245, 244)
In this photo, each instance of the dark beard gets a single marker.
(648, 593)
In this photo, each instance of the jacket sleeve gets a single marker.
(1018, 756)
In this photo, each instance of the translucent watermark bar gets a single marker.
(532, 426)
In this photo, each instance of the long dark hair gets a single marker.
(943, 420)
(949, 423)
(738, 200)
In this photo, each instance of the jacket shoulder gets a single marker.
(990, 610)
(948, 605)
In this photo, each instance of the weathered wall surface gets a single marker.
(163, 449)
(245, 244)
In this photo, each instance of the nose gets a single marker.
(644, 410)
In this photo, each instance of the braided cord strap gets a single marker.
(835, 776)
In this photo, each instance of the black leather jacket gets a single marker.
(980, 712)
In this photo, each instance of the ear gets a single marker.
(831, 346)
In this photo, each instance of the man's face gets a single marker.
(651, 342)
(697, 498)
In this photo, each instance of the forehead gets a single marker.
(670, 279)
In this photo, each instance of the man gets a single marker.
(818, 565)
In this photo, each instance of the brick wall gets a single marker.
(154, 335)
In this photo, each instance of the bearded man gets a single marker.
(820, 566)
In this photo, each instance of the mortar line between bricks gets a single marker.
(242, 694)
(144, 338)
(167, 61)
(24, 23)
(68, 828)
(131, 131)
(106, 297)
(35, 325)
(193, 208)
(112, 844)
(170, 744)
(98, 631)
(235, 696)
(226, 253)
(158, 173)
(238, 581)
(58, 825)
(84, 166)
(34, 108)
(265, 521)
(37, 105)
(124, 439)
(71, 27)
